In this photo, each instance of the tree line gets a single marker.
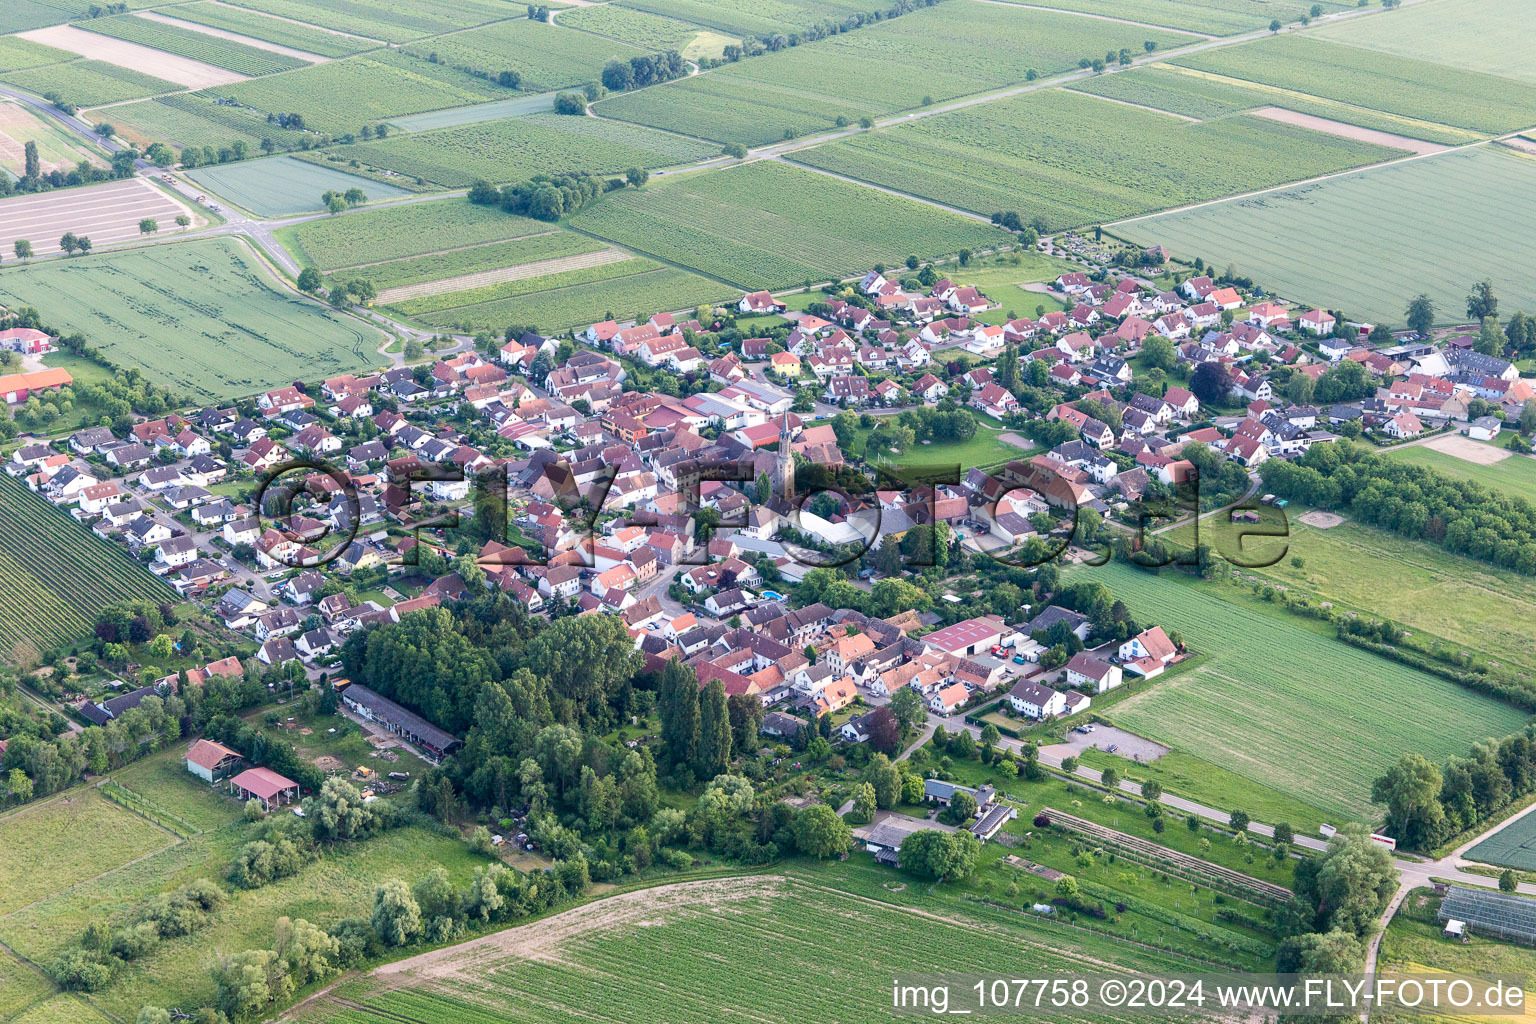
(1427, 804)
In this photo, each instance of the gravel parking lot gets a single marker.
(1127, 744)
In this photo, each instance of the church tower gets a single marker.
(784, 462)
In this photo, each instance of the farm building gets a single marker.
(265, 785)
(211, 761)
(375, 708)
(15, 388)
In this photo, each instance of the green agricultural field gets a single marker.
(1495, 39)
(57, 148)
(79, 835)
(1515, 475)
(1388, 212)
(1391, 82)
(202, 317)
(1512, 847)
(1031, 154)
(55, 575)
(88, 83)
(187, 119)
(492, 110)
(283, 186)
(561, 301)
(610, 952)
(750, 17)
(397, 21)
(1205, 96)
(223, 53)
(515, 148)
(1217, 17)
(633, 26)
(546, 56)
(770, 225)
(877, 70)
(458, 262)
(415, 229)
(1375, 573)
(16, 54)
(273, 30)
(345, 95)
(21, 15)
(1287, 706)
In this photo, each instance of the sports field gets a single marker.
(568, 968)
(1513, 846)
(878, 70)
(513, 149)
(109, 212)
(283, 186)
(769, 225)
(1389, 212)
(1032, 155)
(1288, 706)
(201, 317)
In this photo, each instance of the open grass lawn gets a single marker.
(1388, 212)
(1513, 847)
(201, 317)
(1393, 82)
(340, 885)
(345, 95)
(545, 56)
(1210, 784)
(163, 783)
(77, 836)
(283, 186)
(1031, 154)
(364, 237)
(1286, 706)
(514, 148)
(1468, 604)
(45, 598)
(771, 225)
(985, 449)
(1515, 475)
(1491, 38)
(933, 52)
(611, 952)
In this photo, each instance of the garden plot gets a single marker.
(194, 74)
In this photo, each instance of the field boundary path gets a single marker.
(501, 275)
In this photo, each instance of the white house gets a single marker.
(1036, 700)
(1086, 672)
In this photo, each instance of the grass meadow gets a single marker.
(1515, 475)
(1031, 154)
(770, 225)
(203, 318)
(1388, 212)
(1287, 706)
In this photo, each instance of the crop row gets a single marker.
(90, 82)
(397, 21)
(223, 53)
(186, 119)
(752, 17)
(1396, 84)
(1031, 154)
(544, 56)
(449, 302)
(770, 225)
(414, 229)
(612, 298)
(273, 30)
(457, 262)
(515, 148)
